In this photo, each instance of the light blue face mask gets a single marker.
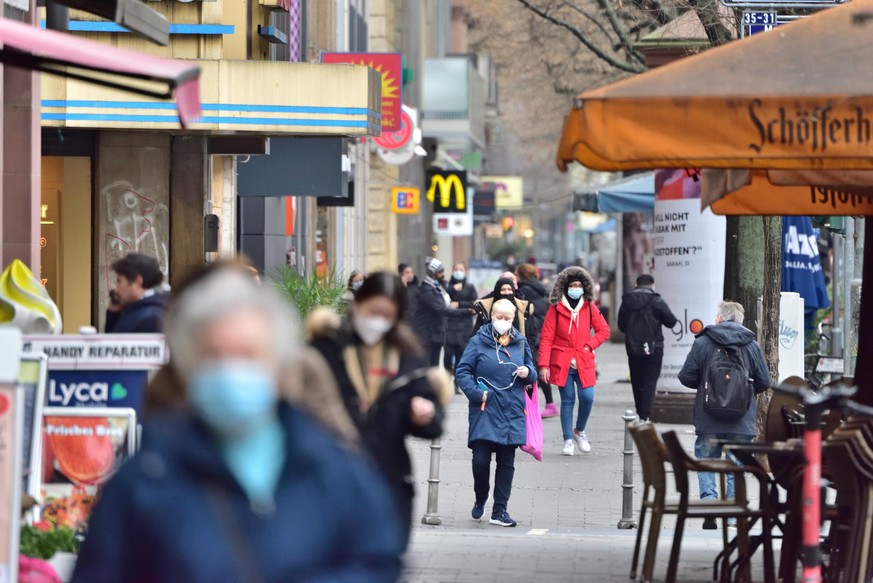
(233, 397)
(574, 293)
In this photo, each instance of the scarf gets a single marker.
(369, 367)
(431, 281)
(574, 312)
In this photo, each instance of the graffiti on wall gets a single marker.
(135, 223)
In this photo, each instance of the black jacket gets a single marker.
(645, 299)
(534, 292)
(386, 424)
(459, 330)
(431, 312)
(139, 317)
(156, 519)
(693, 374)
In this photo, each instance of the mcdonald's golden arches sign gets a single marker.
(447, 190)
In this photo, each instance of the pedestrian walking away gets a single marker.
(137, 302)
(727, 368)
(641, 315)
(384, 378)
(495, 370)
(433, 306)
(533, 291)
(572, 331)
(218, 486)
(458, 330)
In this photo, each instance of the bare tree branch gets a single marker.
(708, 13)
(583, 38)
(590, 18)
(619, 30)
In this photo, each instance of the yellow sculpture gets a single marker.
(25, 303)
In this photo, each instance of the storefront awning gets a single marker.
(797, 97)
(626, 195)
(64, 55)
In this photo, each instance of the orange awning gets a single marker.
(751, 192)
(795, 97)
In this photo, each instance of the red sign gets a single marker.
(396, 140)
(390, 65)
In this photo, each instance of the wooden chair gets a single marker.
(737, 508)
(653, 456)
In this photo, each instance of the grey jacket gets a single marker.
(693, 374)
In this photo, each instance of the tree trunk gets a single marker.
(770, 311)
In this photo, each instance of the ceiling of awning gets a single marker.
(65, 55)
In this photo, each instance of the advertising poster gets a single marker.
(689, 264)
(390, 66)
(32, 381)
(638, 247)
(80, 452)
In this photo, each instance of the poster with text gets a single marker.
(689, 264)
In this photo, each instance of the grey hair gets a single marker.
(219, 294)
(503, 303)
(731, 312)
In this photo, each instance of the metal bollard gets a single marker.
(627, 501)
(432, 517)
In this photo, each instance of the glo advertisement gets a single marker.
(689, 264)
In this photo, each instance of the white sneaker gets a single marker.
(582, 441)
(568, 447)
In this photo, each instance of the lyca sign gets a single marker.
(447, 191)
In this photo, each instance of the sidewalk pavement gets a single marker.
(568, 508)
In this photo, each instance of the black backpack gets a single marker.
(639, 338)
(727, 391)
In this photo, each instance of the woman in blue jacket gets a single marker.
(494, 371)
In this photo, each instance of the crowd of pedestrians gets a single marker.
(252, 436)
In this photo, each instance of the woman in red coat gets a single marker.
(572, 330)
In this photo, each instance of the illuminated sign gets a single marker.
(390, 65)
(405, 200)
(447, 191)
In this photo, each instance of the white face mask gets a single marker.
(371, 330)
(502, 326)
(459, 275)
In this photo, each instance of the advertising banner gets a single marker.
(390, 65)
(801, 265)
(508, 190)
(689, 264)
(82, 449)
(11, 427)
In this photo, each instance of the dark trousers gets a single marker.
(505, 455)
(433, 353)
(453, 355)
(644, 372)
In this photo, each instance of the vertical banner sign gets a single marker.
(390, 65)
(689, 264)
(11, 428)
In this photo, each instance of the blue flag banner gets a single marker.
(801, 266)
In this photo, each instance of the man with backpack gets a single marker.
(640, 317)
(727, 367)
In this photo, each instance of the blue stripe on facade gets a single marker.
(104, 26)
(207, 120)
(213, 107)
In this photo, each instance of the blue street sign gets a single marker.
(759, 21)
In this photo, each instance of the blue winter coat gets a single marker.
(140, 317)
(156, 520)
(693, 374)
(480, 370)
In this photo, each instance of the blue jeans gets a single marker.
(703, 448)
(568, 401)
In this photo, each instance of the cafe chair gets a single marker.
(738, 508)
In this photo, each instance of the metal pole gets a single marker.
(433, 486)
(836, 342)
(627, 501)
(848, 276)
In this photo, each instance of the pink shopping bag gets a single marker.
(534, 421)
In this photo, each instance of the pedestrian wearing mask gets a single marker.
(494, 372)
(384, 379)
(356, 279)
(433, 306)
(504, 289)
(219, 485)
(566, 354)
(459, 330)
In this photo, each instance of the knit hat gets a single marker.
(575, 277)
(433, 265)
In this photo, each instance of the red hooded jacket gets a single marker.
(560, 343)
